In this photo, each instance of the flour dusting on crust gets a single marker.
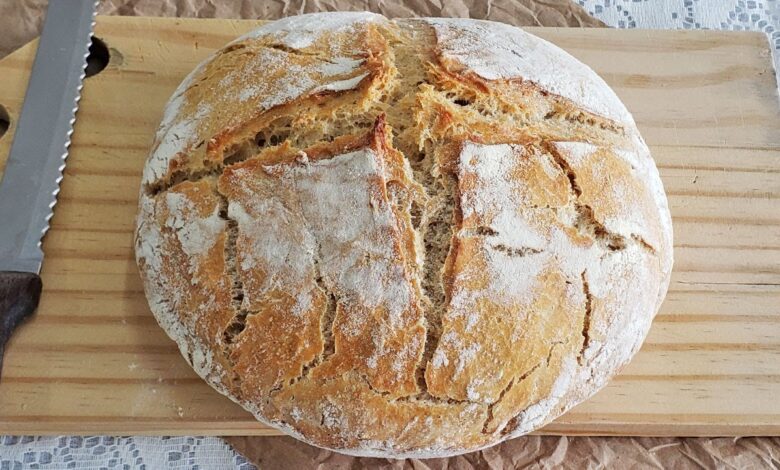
(176, 135)
(355, 232)
(299, 79)
(182, 129)
(196, 235)
(424, 286)
(176, 217)
(300, 32)
(497, 51)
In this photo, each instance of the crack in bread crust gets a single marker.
(489, 418)
(586, 222)
(326, 319)
(586, 318)
(517, 381)
(478, 109)
(176, 178)
(437, 233)
(237, 324)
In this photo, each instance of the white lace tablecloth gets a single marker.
(735, 15)
(101, 452)
(107, 452)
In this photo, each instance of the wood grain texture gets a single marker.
(93, 360)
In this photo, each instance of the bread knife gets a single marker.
(33, 171)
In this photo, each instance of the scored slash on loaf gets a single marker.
(401, 238)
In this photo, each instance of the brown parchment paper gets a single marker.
(20, 21)
(537, 452)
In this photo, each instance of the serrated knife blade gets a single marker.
(32, 175)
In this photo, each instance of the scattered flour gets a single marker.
(497, 51)
(294, 80)
(300, 32)
(491, 196)
(537, 414)
(616, 203)
(180, 130)
(440, 358)
(467, 354)
(332, 417)
(197, 235)
(149, 238)
(177, 134)
(471, 390)
(494, 199)
(343, 220)
(333, 209)
(355, 230)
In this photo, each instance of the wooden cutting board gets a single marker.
(93, 360)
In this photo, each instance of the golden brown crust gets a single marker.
(399, 239)
(182, 240)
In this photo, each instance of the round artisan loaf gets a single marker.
(401, 238)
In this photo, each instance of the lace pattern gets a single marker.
(734, 15)
(121, 453)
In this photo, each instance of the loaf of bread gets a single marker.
(405, 238)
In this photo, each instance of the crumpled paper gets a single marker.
(537, 452)
(519, 12)
(20, 21)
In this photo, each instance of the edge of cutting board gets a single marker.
(573, 423)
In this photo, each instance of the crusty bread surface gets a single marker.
(407, 238)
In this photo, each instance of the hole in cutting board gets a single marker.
(98, 57)
(5, 121)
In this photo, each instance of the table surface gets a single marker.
(47, 451)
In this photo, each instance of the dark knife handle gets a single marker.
(19, 297)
